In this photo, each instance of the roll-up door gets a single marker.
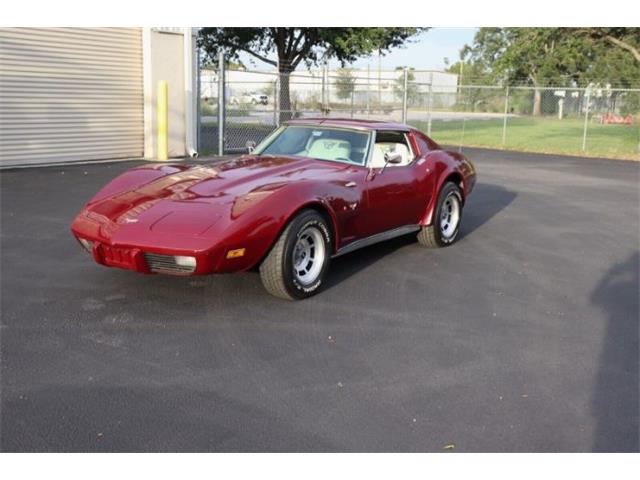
(70, 94)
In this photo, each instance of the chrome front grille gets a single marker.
(166, 264)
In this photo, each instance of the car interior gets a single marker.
(391, 142)
(337, 145)
(341, 145)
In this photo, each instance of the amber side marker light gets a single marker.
(239, 252)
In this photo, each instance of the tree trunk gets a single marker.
(537, 102)
(285, 97)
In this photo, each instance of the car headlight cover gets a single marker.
(184, 261)
(86, 244)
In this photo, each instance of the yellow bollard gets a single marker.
(162, 111)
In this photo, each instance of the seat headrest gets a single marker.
(330, 149)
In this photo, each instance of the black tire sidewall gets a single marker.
(298, 225)
(447, 190)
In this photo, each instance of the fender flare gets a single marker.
(446, 173)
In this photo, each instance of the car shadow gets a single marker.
(486, 201)
(615, 401)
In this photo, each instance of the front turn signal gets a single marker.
(238, 252)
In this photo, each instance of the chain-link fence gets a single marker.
(597, 120)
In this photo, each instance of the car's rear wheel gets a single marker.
(296, 265)
(447, 216)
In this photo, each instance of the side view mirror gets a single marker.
(250, 145)
(393, 158)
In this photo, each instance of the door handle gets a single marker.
(350, 184)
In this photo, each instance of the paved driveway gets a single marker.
(522, 337)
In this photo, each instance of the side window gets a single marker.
(425, 144)
(391, 141)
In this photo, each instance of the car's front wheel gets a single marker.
(296, 265)
(447, 216)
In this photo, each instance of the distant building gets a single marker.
(307, 85)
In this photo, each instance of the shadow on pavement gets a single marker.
(485, 202)
(615, 399)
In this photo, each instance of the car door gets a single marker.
(394, 198)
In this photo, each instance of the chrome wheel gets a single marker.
(308, 255)
(449, 216)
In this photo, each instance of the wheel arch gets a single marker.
(325, 211)
(447, 175)
(317, 205)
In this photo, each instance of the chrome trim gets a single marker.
(372, 142)
(350, 184)
(378, 237)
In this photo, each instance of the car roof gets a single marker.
(351, 122)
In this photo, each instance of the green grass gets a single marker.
(544, 135)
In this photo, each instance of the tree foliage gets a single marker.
(542, 57)
(413, 92)
(557, 56)
(345, 83)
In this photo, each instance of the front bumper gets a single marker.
(138, 260)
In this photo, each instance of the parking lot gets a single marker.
(521, 337)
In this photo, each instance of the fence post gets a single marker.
(368, 91)
(352, 94)
(275, 101)
(429, 91)
(506, 113)
(586, 121)
(404, 96)
(323, 100)
(221, 103)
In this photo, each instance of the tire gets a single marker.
(443, 232)
(296, 265)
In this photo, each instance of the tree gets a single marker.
(539, 57)
(413, 92)
(345, 83)
(557, 56)
(295, 45)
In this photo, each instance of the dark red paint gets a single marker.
(207, 210)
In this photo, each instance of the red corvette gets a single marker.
(312, 190)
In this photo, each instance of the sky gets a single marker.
(426, 52)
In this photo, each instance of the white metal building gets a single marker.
(75, 94)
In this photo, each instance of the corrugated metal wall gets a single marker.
(69, 94)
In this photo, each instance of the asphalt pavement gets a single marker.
(521, 337)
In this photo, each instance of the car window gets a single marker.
(391, 142)
(333, 144)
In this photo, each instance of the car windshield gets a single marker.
(334, 144)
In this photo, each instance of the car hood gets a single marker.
(189, 200)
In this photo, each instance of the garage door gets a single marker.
(70, 94)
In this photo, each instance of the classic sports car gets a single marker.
(312, 190)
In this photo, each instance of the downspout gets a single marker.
(190, 87)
